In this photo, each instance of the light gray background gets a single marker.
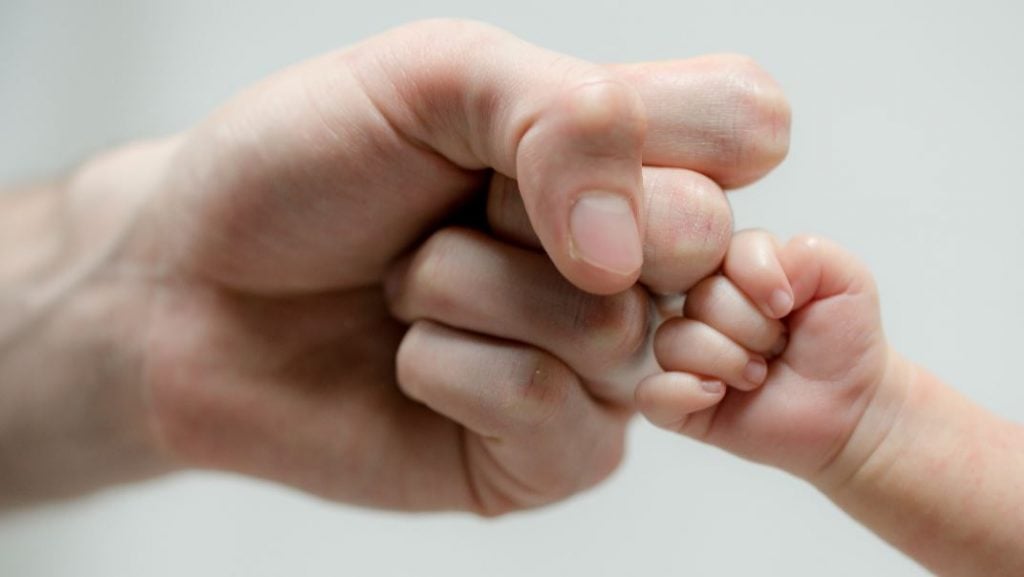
(906, 148)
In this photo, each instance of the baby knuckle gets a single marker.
(809, 241)
(667, 339)
(706, 298)
(756, 236)
(725, 361)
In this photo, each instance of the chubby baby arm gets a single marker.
(929, 471)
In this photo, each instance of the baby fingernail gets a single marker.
(755, 371)
(605, 234)
(712, 387)
(780, 303)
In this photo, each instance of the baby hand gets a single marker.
(795, 333)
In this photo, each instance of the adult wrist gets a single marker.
(75, 416)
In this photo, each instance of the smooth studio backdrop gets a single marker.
(907, 146)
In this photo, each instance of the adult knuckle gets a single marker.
(453, 28)
(761, 115)
(442, 101)
(603, 109)
(616, 326)
(542, 391)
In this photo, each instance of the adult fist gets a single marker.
(270, 349)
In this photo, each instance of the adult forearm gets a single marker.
(945, 486)
(73, 416)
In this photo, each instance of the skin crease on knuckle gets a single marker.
(603, 114)
(535, 388)
(448, 103)
(705, 298)
(719, 303)
(544, 417)
(597, 124)
(672, 336)
(459, 98)
(541, 392)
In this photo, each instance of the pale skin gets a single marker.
(205, 300)
(216, 299)
(924, 467)
(780, 358)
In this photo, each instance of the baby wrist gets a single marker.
(879, 432)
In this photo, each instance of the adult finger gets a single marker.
(721, 115)
(468, 280)
(394, 131)
(570, 132)
(689, 225)
(534, 434)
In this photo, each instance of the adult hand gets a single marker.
(269, 347)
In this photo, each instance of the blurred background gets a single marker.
(907, 140)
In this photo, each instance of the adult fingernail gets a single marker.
(780, 303)
(755, 371)
(605, 234)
